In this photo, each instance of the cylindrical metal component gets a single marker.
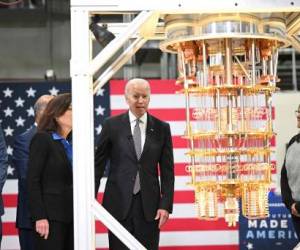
(264, 67)
(229, 113)
(204, 64)
(242, 113)
(271, 72)
(228, 61)
(253, 80)
(219, 111)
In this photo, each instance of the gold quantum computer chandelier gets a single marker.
(227, 66)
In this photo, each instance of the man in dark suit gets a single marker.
(3, 174)
(20, 159)
(138, 147)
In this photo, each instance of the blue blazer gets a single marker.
(3, 168)
(20, 160)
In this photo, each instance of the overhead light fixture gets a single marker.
(50, 75)
(101, 33)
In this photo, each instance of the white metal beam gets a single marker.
(118, 63)
(83, 131)
(189, 6)
(109, 221)
(119, 41)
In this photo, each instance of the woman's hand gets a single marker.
(42, 227)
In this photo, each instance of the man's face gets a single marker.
(138, 98)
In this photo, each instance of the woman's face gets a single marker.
(298, 116)
(65, 120)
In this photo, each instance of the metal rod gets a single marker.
(242, 67)
(228, 61)
(115, 227)
(271, 72)
(204, 64)
(264, 67)
(229, 113)
(219, 110)
(253, 63)
(242, 110)
(275, 65)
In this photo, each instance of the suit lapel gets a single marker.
(127, 132)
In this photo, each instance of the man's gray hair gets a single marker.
(41, 104)
(136, 81)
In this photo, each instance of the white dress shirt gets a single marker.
(143, 126)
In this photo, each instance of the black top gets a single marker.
(286, 192)
(50, 180)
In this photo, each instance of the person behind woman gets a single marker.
(50, 181)
(290, 179)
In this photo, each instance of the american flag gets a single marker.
(183, 231)
(16, 115)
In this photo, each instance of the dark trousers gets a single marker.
(296, 224)
(147, 233)
(60, 237)
(26, 239)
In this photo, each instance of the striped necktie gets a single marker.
(138, 149)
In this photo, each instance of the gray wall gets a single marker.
(32, 44)
(26, 51)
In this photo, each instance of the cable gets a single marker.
(10, 4)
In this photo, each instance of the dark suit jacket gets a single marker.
(116, 145)
(50, 180)
(20, 160)
(3, 168)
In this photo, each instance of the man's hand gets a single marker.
(42, 227)
(294, 210)
(163, 216)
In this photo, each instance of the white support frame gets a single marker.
(118, 63)
(83, 145)
(83, 68)
(119, 41)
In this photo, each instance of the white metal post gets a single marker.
(83, 131)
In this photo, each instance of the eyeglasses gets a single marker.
(297, 112)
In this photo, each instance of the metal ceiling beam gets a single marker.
(189, 6)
